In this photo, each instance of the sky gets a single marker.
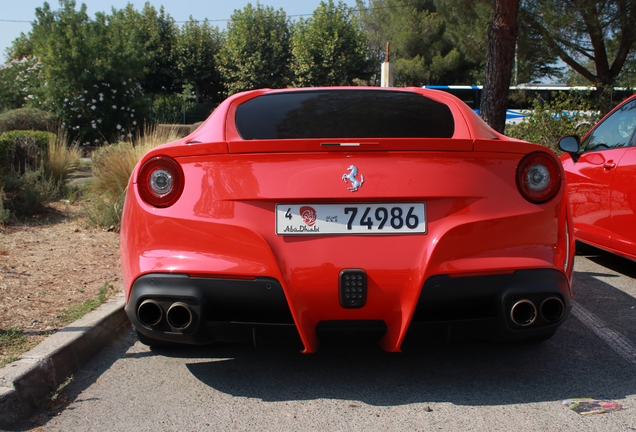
(17, 15)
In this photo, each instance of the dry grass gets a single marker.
(113, 165)
(61, 160)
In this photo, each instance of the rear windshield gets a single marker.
(343, 114)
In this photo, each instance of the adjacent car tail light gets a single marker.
(538, 177)
(160, 181)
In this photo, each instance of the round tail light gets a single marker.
(538, 177)
(160, 181)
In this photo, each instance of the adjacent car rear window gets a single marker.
(343, 114)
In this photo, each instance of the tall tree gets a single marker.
(92, 70)
(467, 27)
(158, 33)
(197, 47)
(421, 50)
(594, 38)
(502, 35)
(329, 49)
(256, 52)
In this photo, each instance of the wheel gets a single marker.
(152, 342)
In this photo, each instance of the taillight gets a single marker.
(160, 181)
(538, 177)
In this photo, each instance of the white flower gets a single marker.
(94, 125)
(94, 101)
(118, 127)
(93, 107)
(79, 116)
(134, 123)
(114, 106)
(129, 135)
(99, 121)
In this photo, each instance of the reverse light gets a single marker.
(538, 177)
(160, 181)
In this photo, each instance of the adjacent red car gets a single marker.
(351, 211)
(601, 178)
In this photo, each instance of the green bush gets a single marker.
(547, 122)
(22, 148)
(26, 119)
(104, 210)
(4, 213)
(26, 192)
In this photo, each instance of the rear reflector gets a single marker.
(538, 177)
(160, 181)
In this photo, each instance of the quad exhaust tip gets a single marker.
(523, 313)
(552, 309)
(150, 313)
(180, 316)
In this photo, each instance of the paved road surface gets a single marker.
(462, 386)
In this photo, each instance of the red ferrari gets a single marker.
(601, 178)
(396, 213)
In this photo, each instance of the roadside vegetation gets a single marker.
(546, 122)
(78, 310)
(12, 343)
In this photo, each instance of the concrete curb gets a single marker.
(41, 370)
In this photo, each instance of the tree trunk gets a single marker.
(502, 35)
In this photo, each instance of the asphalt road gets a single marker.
(461, 386)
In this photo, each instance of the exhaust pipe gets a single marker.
(149, 313)
(523, 313)
(552, 309)
(180, 316)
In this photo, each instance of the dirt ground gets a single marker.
(49, 264)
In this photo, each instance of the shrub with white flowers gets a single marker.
(104, 111)
(20, 83)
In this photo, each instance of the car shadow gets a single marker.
(462, 373)
(612, 261)
(573, 363)
(468, 373)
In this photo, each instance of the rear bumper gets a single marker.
(257, 309)
(481, 306)
(222, 309)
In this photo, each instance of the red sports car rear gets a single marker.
(347, 210)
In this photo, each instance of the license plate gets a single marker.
(383, 218)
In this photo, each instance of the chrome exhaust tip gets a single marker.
(149, 313)
(552, 309)
(180, 316)
(523, 313)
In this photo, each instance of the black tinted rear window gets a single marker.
(343, 114)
